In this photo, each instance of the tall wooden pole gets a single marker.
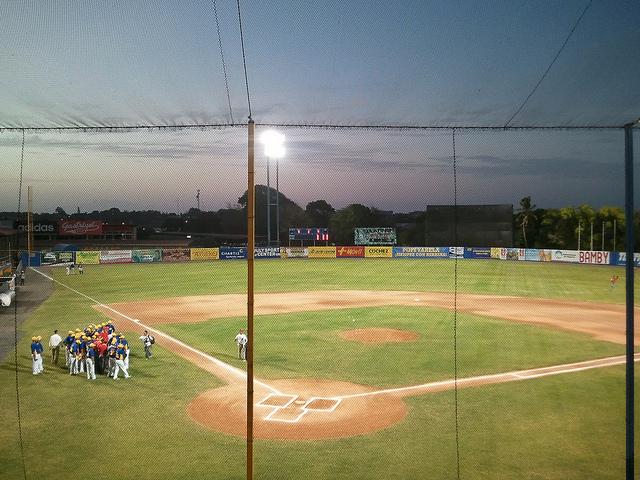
(251, 230)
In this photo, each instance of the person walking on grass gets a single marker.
(241, 339)
(148, 341)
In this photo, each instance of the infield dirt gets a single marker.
(304, 409)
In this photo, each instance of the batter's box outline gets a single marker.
(334, 404)
(280, 402)
(277, 400)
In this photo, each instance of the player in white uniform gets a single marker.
(241, 339)
(120, 354)
(91, 364)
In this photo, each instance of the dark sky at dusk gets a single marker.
(68, 65)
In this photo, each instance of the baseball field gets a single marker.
(364, 369)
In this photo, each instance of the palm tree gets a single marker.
(525, 215)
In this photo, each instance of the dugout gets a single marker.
(477, 225)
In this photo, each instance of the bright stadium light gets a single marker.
(273, 144)
(273, 148)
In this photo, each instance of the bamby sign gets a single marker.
(599, 258)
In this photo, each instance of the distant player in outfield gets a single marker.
(614, 279)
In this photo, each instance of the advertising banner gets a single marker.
(146, 256)
(38, 228)
(176, 255)
(498, 253)
(622, 258)
(267, 252)
(476, 252)
(205, 253)
(570, 256)
(512, 254)
(80, 227)
(596, 258)
(532, 255)
(375, 236)
(51, 258)
(421, 252)
(322, 252)
(233, 253)
(88, 258)
(378, 252)
(350, 252)
(295, 252)
(115, 256)
(545, 255)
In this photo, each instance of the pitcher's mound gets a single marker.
(299, 409)
(378, 335)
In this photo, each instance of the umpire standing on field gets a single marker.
(241, 339)
(54, 344)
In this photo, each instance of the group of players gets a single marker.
(97, 350)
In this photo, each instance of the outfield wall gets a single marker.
(155, 255)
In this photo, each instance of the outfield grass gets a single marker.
(566, 427)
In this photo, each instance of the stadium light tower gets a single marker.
(273, 148)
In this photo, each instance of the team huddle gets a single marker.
(94, 350)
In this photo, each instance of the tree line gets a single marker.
(570, 227)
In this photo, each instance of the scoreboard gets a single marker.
(315, 234)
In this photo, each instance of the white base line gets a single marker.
(237, 371)
(511, 376)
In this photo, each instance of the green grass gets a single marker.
(567, 426)
(307, 344)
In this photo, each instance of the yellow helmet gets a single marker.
(70, 332)
(33, 339)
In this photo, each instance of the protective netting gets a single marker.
(80, 63)
(476, 363)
